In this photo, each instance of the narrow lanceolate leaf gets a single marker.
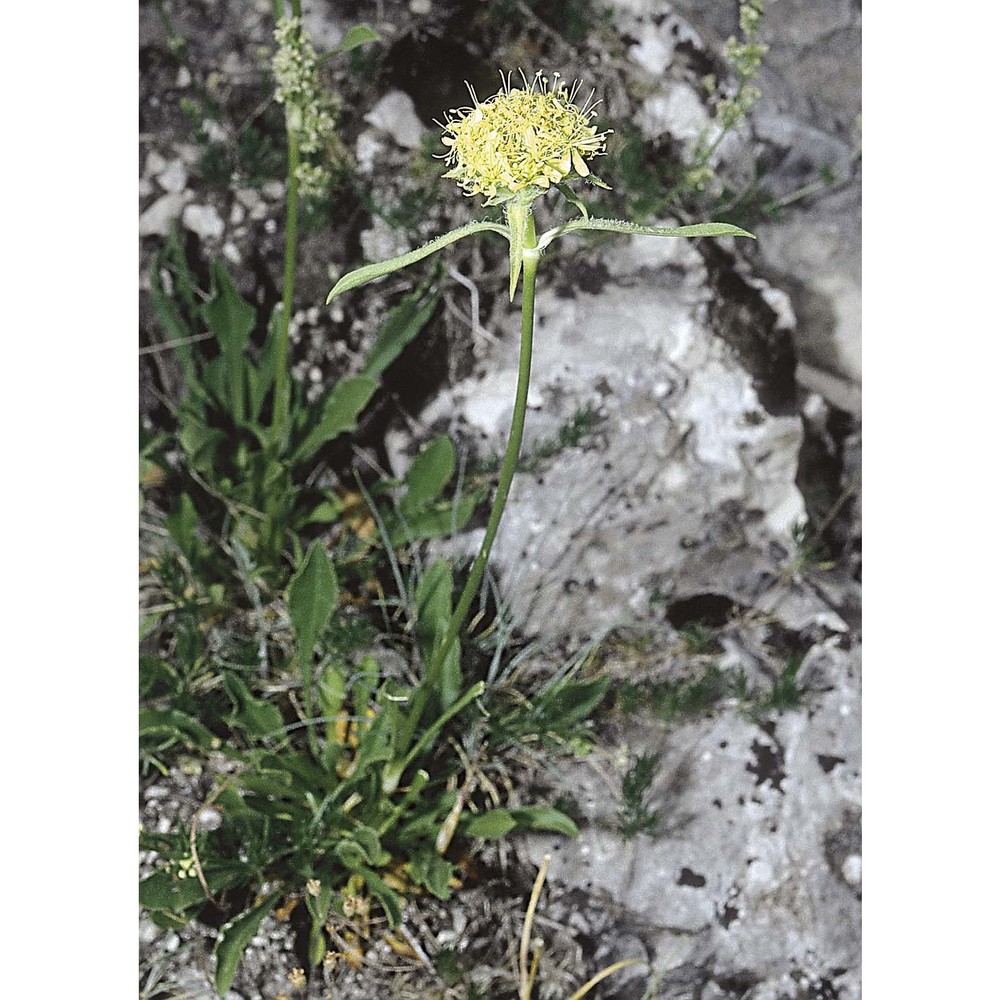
(354, 279)
(401, 326)
(312, 596)
(339, 412)
(632, 229)
(429, 473)
(234, 938)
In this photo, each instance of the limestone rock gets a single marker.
(157, 219)
(396, 115)
(682, 437)
(204, 221)
(754, 866)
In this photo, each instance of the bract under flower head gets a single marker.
(521, 140)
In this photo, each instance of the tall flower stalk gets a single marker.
(513, 148)
(310, 119)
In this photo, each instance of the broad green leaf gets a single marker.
(318, 907)
(632, 229)
(154, 672)
(437, 521)
(360, 34)
(149, 623)
(275, 784)
(429, 473)
(402, 325)
(544, 818)
(394, 772)
(168, 921)
(257, 718)
(163, 891)
(231, 319)
(312, 598)
(234, 938)
(304, 772)
(200, 443)
(354, 279)
(491, 825)
(260, 379)
(434, 607)
(376, 739)
(227, 314)
(174, 323)
(340, 410)
(326, 511)
(181, 523)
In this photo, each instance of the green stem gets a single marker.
(513, 452)
(530, 265)
(279, 415)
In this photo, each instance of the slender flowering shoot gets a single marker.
(513, 148)
(521, 140)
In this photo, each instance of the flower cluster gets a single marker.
(309, 111)
(521, 139)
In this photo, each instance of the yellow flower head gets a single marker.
(521, 139)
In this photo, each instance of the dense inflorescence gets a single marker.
(530, 137)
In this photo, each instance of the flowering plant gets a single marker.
(513, 148)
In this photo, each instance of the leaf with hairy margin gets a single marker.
(354, 279)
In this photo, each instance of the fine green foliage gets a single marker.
(635, 817)
(785, 692)
(682, 699)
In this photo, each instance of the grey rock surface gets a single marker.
(806, 123)
(683, 444)
(754, 868)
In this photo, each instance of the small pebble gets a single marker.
(155, 163)
(173, 177)
(273, 190)
(851, 869)
(215, 132)
(248, 197)
(204, 221)
(420, 7)
(158, 218)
